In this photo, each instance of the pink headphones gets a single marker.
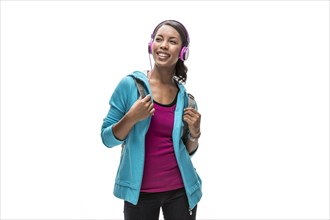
(184, 53)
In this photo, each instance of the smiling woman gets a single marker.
(156, 170)
(261, 81)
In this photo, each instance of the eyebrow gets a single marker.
(160, 35)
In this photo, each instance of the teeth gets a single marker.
(162, 55)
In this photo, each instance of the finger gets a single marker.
(192, 114)
(151, 106)
(192, 120)
(188, 119)
(147, 98)
(190, 111)
(152, 111)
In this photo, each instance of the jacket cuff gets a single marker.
(109, 139)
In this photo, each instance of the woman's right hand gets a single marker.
(141, 109)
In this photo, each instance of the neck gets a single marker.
(162, 74)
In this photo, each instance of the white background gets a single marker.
(258, 69)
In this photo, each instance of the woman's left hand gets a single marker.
(193, 119)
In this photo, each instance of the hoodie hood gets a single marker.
(142, 75)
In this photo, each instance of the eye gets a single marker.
(173, 42)
(158, 39)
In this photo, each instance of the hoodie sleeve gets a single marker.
(118, 108)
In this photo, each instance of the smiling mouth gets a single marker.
(163, 55)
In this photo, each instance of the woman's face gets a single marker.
(166, 46)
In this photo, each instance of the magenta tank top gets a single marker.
(161, 171)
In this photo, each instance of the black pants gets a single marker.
(174, 205)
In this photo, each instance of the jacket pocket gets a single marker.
(126, 184)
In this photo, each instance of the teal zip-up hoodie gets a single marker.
(130, 171)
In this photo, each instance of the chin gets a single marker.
(164, 65)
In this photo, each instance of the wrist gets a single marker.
(194, 138)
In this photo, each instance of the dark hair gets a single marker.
(180, 69)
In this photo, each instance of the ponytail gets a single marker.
(181, 70)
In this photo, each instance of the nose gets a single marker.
(164, 44)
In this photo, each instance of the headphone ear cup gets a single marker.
(150, 46)
(184, 53)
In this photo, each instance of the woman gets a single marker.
(155, 169)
